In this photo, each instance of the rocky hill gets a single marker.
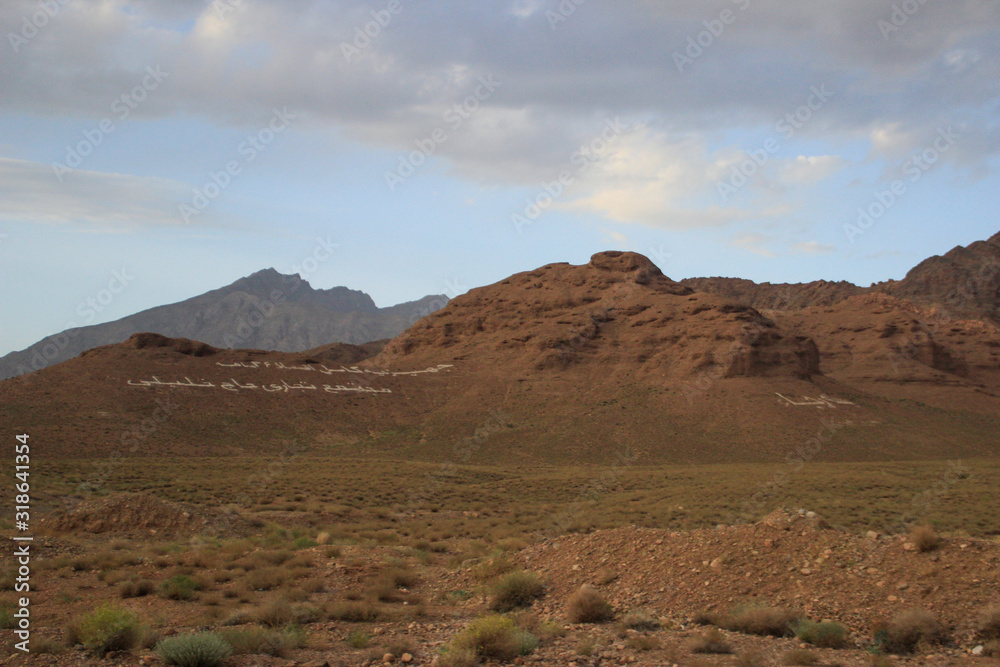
(964, 283)
(605, 362)
(266, 310)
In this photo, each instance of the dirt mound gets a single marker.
(790, 560)
(142, 514)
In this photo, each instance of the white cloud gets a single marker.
(649, 178)
(813, 248)
(106, 202)
(807, 170)
(753, 242)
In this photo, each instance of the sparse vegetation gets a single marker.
(202, 649)
(754, 620)
(516, 589)
(7, 619)
(136, 588)
(640, 619)
(924, 538)
(107, 628)
(586, 605)
(179, 587)
(642, 643)
(355, 612)
(825, 634)
(494, 637)
(988, 623)
(358, 639)
(799, 656)
(710, 641)
(258, 640)
(908, 630)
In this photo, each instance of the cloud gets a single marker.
(753, 242)
(103, 202)
(650, 178)
(605, 60)
(813, 248)
(805, 170)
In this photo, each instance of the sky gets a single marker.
(152, 150)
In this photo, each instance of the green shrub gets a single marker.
(304, 543)
(825, 634)
(587, 606)
(107, 628)
(358, 639)
(516, 589)
(202, 649)
(257, 640)
(7, 620)
(494, 637)
(179, 587)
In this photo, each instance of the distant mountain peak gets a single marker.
(266, 309)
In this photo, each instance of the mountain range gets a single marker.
(605, 362)
(267, 310)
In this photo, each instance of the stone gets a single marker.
(406, 657)
(387, 658)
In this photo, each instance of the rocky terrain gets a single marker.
(578, 465)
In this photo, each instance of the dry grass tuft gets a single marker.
(909, 630)
(799, 656)
(924, 538)
(586, 605)
(988, 623)
(711, 641)
(516, 589)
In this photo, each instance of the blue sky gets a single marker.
(730, 137)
